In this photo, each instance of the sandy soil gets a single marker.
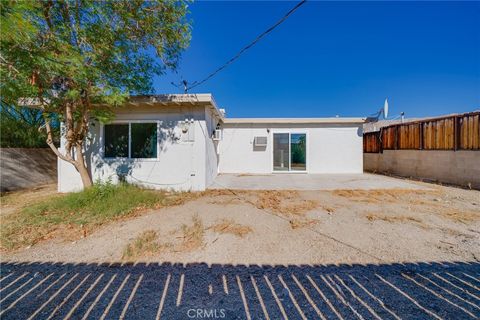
(294, 227)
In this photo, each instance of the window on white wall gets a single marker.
(116, 140)
(130, 140)
(144, 140)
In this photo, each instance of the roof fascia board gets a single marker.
(292, 120)
(200, 99)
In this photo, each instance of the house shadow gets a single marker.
(447, 290)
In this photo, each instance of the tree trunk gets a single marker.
(82, 168)
(84, 174)
(78, 163)
(75, 136)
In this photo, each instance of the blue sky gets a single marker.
(335, 58)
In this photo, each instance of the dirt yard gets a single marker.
(283, 227)
(12, 201)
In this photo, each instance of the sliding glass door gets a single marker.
(289, 152)
(281, 151)
(298, 150)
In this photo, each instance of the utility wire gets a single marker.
(285, 17)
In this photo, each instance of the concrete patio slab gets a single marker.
(364, 181)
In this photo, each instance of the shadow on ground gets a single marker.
(174, 291)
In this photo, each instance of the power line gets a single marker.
(285, 17)
(183, 84)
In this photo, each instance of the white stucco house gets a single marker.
(183, 142)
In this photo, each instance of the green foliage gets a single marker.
(102, 201)
(88, 209)
(86, 53)
(80, 59)
(19, 128)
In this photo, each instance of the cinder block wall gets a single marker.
(25, 168)
(455, 167)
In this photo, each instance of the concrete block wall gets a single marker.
(454, 167)
(22, 168)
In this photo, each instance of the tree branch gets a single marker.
(67, 157)
(50, 143)
(46, 12)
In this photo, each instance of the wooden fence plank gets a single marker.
(459, 132)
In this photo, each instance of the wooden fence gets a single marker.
(455, 132)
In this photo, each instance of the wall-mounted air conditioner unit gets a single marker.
(260, 141)
(217, 135)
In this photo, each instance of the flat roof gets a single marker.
(190, 98)
(293, 120)
(206, 99)
(187, 99)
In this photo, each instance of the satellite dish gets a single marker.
(385, 109)
(375, 117)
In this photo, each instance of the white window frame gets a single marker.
(289, 132)
(129, 122)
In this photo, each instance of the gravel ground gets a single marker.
(141, 291)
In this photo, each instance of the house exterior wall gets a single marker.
(186, 157)
(191, 159)
(331, 148)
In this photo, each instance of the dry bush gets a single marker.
(225, 201)
(328, 209)
(284, 202)
(222, 196)
(379, 216)
(217, 192)
(229, 226)
(192, 235)
(446, 210)
(456, 215)
(143, 246)
(178, 198)
(148, 245)
(395, 219)
(302, 223)
(383, 195)
(270, 200)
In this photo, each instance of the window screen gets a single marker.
(144, 140)
(116, 140)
